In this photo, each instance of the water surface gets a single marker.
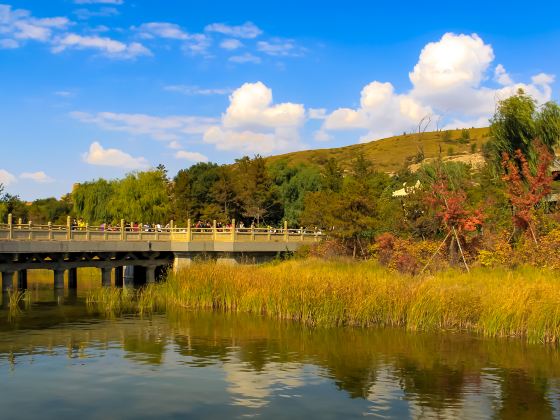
(59, 361)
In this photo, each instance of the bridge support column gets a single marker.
(119, 271)
(7, 280)
(105, 277)
(59, 278)
(180, 262)
(72, 278)
(22, 279)
(128, 280)
(151, 274)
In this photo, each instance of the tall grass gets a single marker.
(521, 303)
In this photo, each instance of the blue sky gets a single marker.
(97, 88)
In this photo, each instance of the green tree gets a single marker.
(518, 123)
(193, 190)
(92, 201)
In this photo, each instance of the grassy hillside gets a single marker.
(390, 154)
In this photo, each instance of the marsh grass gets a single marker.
(16, 300)
(493, 302)
(522, 303)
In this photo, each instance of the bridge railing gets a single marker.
(52, 232)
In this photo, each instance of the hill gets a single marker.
(390, 154)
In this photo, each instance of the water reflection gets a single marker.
(205, 364)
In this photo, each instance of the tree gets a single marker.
(332, 176)
(526, 189)
(518, 123)
(91, 201)
(193, 190)
(254, 188)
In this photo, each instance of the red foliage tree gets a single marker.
(525, 188)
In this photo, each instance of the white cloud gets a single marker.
(280, 47)
(248, 30)
(382, 112)
(39, 176)
(84, 14)
(18, 25)
(317, 113)
(245, 58)
(252, 124)
(195, 90)
(197, 44)
(162, 30)
(174, 144)
(191, 156)
(117, 2)
(97, 155)
(322, 135)
(159, 128)
(6, 178)
(501, 76)
(231, 44)
(447, 83)
(108, 46)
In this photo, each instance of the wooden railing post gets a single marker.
(189, 230)
(123, 233)
(140, 229)
(10, 227)
(233, 230)
(172, 226)
(68, 228)
(50, 231)
(301, 231)
(20, 222)
(214, 231)
(29, 226)
(286, 236)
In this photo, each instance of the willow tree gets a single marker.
(142, 197)
(519, 123)
(91, 201)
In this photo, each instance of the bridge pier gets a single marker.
(7, 280)
(128, 280)
(105, 277)
(181, 261)
(119, 271)
(22, 279)
(151, 274)
(72, 278)
(59, 278)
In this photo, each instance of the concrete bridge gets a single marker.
(133, 256)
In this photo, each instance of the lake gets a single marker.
(59, 361)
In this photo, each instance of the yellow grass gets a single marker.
(522, 303)
(389, 154)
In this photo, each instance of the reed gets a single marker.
(493, 302)
(111, 301)
(16, 299)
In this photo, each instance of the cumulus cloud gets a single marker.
(245, 58)
(248, 30)
(38, 176)
(18, 25)
(252, 124)
(191, 156)
(168, 128)
(108, 46)
(97, 155)
(447, 83)
(6, 178)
